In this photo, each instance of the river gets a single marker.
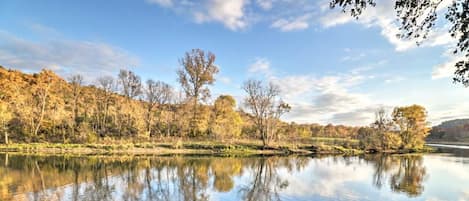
(436, 176)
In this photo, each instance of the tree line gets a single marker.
(43, 107)
(405, 128)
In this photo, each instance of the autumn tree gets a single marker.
(71, 111)
(279, 109)
(418, 17)
(412, 122)
(367, 138)
(261, 100)
(226, 121)
(76, 82)
(40, 99)
(197, 72)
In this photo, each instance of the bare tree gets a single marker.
(131, 87)
(108, 85)
(198, 71)
(382, 124)
(131, 84)
(262, 101)
(157, 94)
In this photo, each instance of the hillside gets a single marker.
(452, 131)
(44, 107)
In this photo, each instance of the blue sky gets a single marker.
(331, 68)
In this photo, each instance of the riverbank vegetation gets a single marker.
(114, 111)
(191, 146)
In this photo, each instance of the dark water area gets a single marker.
(436, 176)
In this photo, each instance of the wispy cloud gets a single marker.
(230, 13)
(298, 23)
(394, 79)
(260, 65)
(265, 4)
(326, 99)
(164, 3)
(63, 56)
(285, 15)
(446, 69)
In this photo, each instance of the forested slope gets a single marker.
(44, 107)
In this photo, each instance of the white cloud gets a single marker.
(337, 101)
(447, 68)
(353, 57)
(293, 86)
(298, 23)
(164, 3)
(229, 12)
(330, 181)
(224, 79)
(394, 79)
(384, 16)
(440, 111)
(326, 99)
(260, 65)
(361, 116)
(286, 15)
(63, 56)
(265, 4)
(333, 19)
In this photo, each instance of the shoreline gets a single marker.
(198, 148)
(448, 143)
(168, 149)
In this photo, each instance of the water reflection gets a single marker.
(367, 177)
(405, 173)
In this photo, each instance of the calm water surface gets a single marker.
(432, 177)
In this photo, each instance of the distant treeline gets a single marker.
(43, 107)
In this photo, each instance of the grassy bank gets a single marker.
(182, 147)
(203, 147)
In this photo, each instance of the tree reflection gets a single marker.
(100, 189)
(409, 178)
(266, 181)
(405, 173)
(140, 178)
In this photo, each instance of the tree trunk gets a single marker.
(63, 134)
(41, 116)
(149, 120)
(6, 137)
(264, 137)
(194, 118)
